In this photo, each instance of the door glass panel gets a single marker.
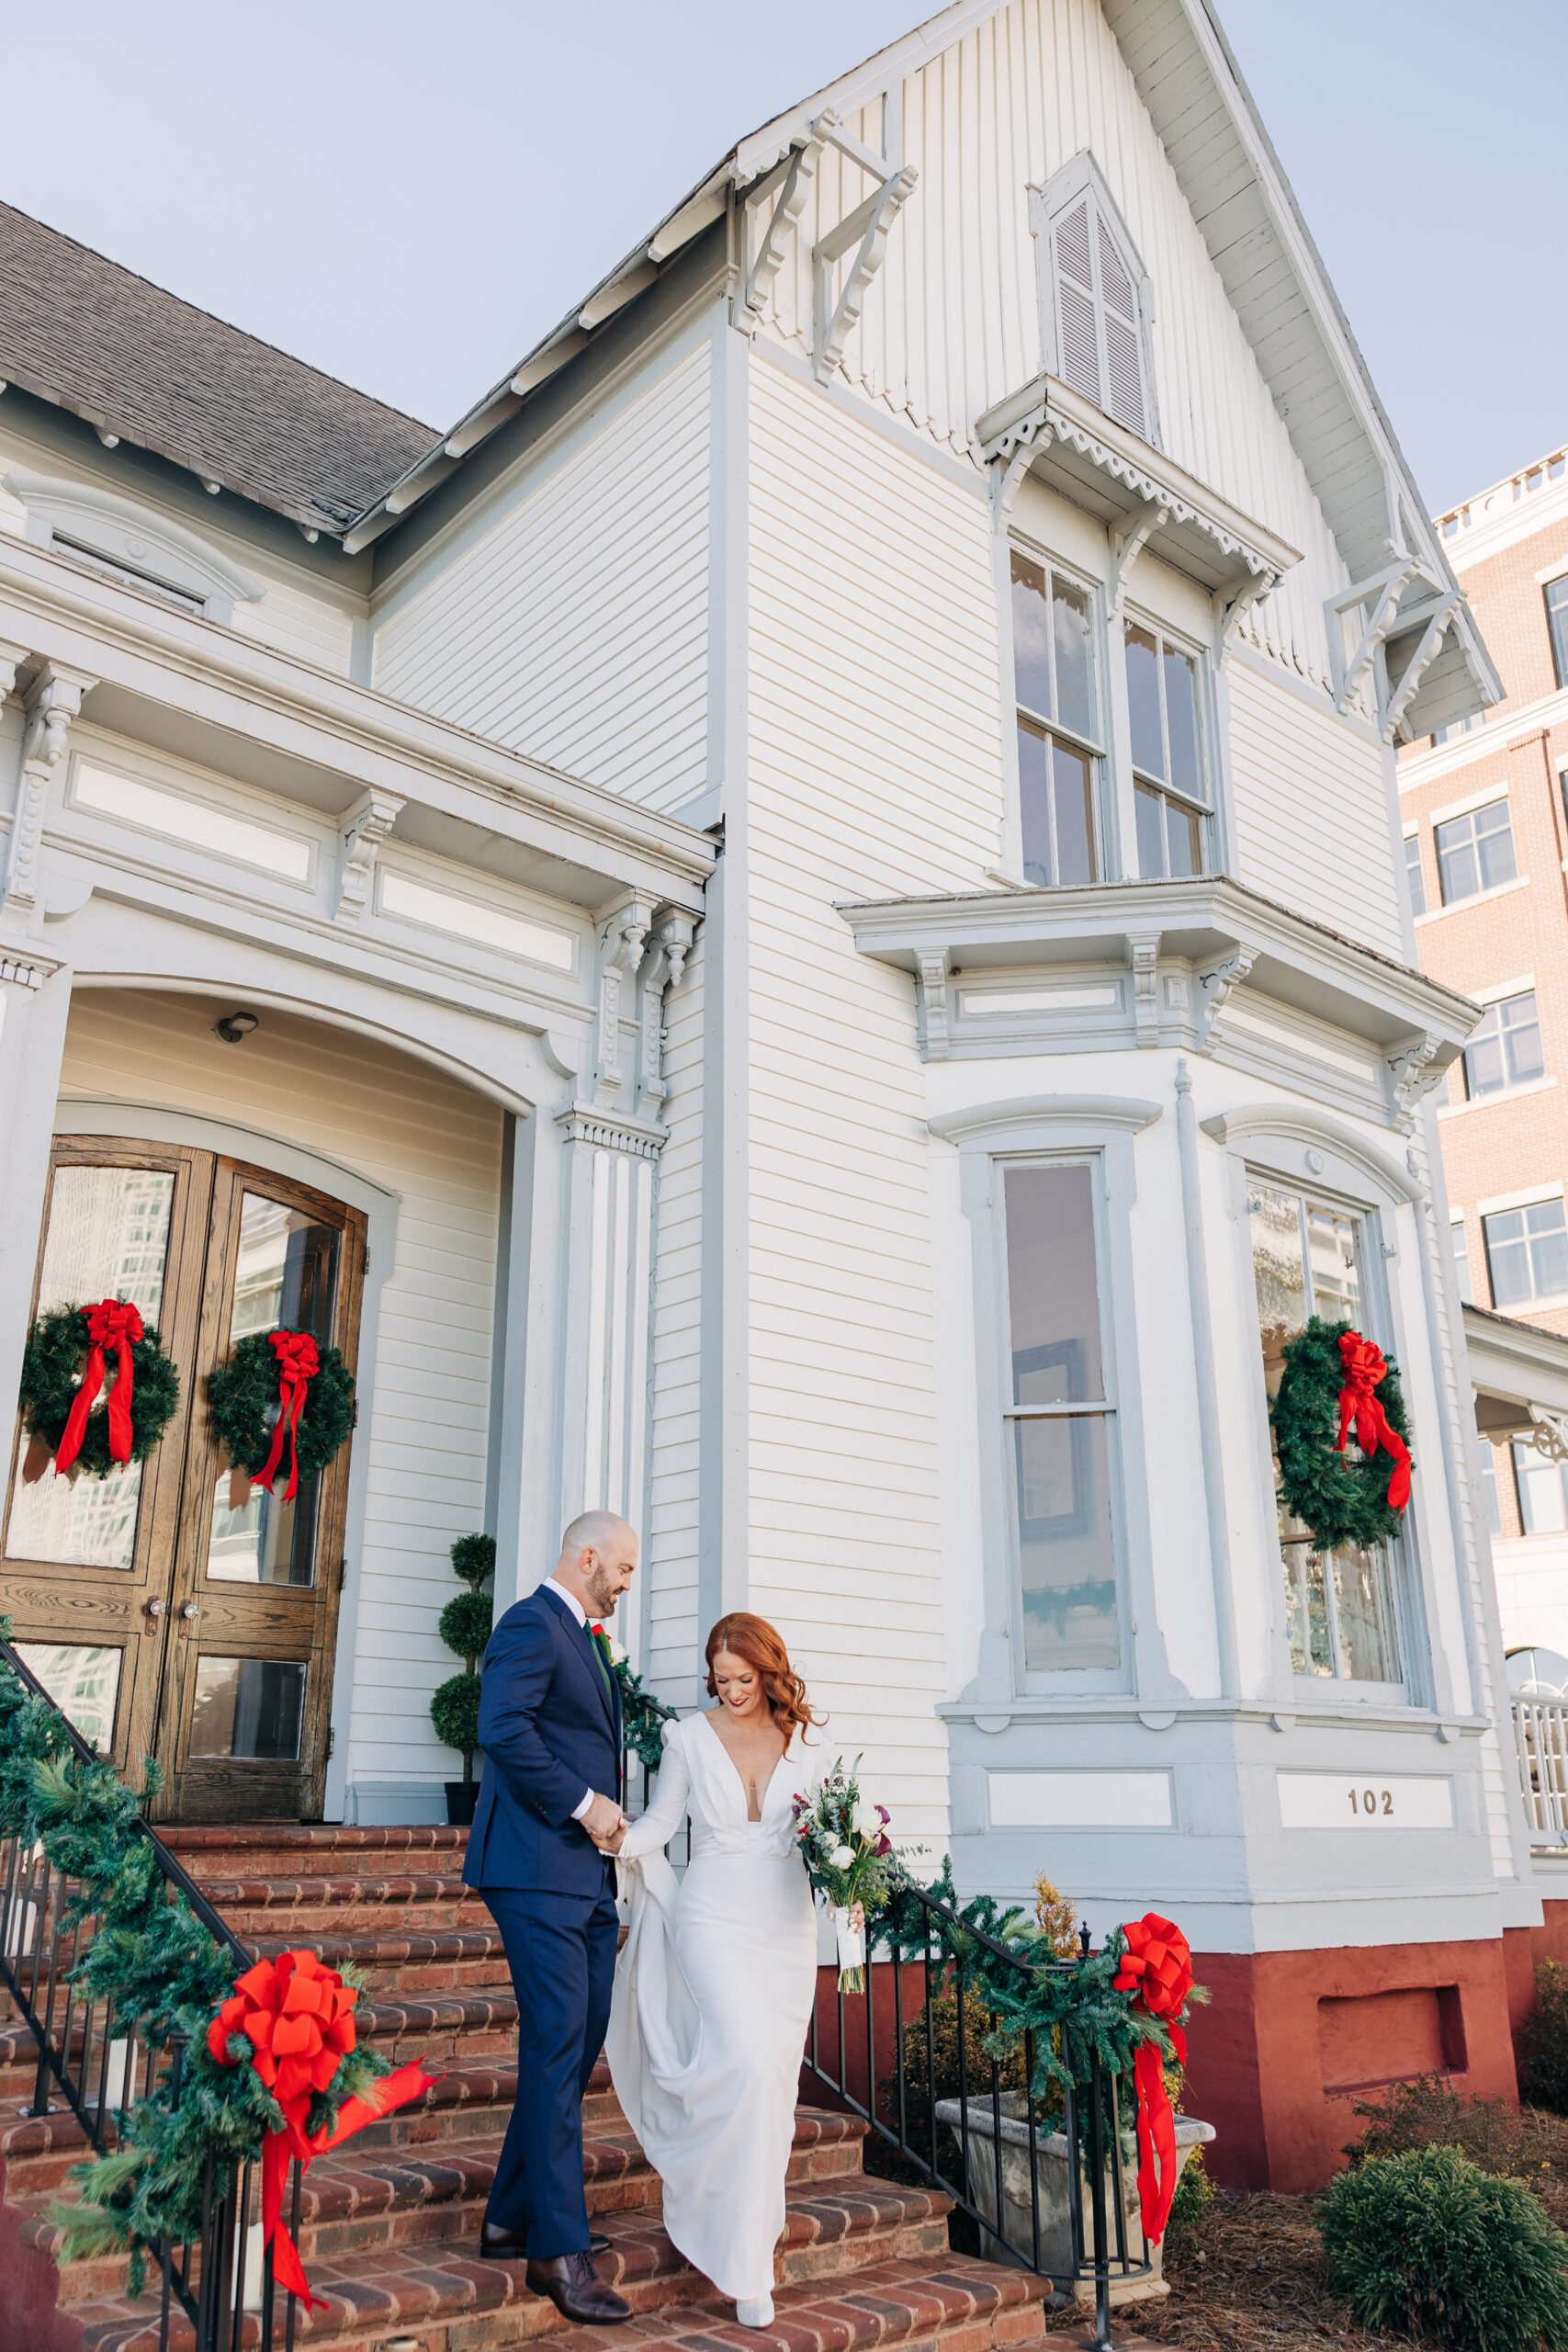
(108, 1237)
(247, 1707)
(286, 1273)
(83, 1683)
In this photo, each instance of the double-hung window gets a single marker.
(1058, 743)
(1541, 1489)
(1414, 875)
(1168, 754)
(1060, 1413)
(1308, 1256)
(1557, 625)
(1475, 852)
(1527, 1253)
(1505, 1047)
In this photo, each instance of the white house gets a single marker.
(816, 882)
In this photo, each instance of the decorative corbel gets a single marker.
(54, 700)
(622, 938)
(796, 178)
(871, 222)
(1127, 541)
(1549, 1433)
(362, 833)
(662, 970)
(932, 978)
(1411, 1076)
(1420, 661)
(11, 660)
(1006, 479)
(1219, 983)
(1231, 605)
(1142, 955)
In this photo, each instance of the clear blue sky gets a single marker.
(409, 196)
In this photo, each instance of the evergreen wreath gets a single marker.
(163, 1974)
(52, 1364)
(243, 1398)
(1338, 1497)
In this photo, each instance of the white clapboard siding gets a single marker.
(951, 323)
(573, 624)
(875, 769)
(437, 1145)
(1311, 816)
(675, 1637)
(287, 617)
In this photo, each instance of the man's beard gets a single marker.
(601, 1592)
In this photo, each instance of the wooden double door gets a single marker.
(171, 1614)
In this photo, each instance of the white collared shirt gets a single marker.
(578, 1610)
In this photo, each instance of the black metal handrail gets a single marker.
(1026, 2195)
(46, 1925)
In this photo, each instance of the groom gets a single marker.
(544, 1825)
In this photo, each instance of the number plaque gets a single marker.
(1366, 1800)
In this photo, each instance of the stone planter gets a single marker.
(1007, 2236)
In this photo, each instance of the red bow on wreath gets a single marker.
(1156, 1969)
(297, 2016)
(298, 1364)
(113, 1323)
(1364, 1367)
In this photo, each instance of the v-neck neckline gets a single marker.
(740, 1778)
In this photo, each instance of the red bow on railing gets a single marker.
(298, 1364)
(1156, 1969)
(113, 1323)
(298, 2017)
(1363, 1367)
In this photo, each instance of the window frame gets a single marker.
(1527, 1533)
(1414, 872)
(1096, 747)
(1520, 1209)
(1079, 178)
(1501, 1034)
(1468, 817)
(1132, 617)
(1557, 625)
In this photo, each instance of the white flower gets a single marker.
(841, 1857)
(867, 1822)
(617, 1650)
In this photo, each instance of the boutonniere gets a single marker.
(610, 1649)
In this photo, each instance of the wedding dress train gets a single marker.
(713, 1995)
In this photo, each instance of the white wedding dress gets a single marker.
(713, 1988)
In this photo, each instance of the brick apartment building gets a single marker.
(1484, 808)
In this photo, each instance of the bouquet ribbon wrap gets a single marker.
(298, 2017)
(1156, 1969)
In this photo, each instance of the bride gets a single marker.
(715, 1982)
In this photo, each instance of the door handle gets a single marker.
(189, 1611)
(157, 1607)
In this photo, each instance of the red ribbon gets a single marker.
(113, 1323)
(298, 1364)
(298, 2017)
(1156, 1969)
(1363, 1367)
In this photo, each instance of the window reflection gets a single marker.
(247, 1707)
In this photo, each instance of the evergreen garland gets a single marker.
(52, 1372)
(243, 1398)
(643, 1717)
(163, 1971)
(1338, 1497)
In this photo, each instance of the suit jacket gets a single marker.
(549, 1729)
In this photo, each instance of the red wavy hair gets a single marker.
(761, 1646)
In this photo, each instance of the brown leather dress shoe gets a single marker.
(512, 2245)
(577, 2291)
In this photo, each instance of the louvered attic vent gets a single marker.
(1097, 304)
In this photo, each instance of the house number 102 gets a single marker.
(1364, 1801)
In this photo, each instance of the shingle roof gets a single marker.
(114, 349)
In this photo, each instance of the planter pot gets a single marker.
(461, 1798)
(1008, 2234)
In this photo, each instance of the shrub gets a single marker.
(1427, 2244)
(1543, 2041)
(1195, 2192)
(1054, 1913)
(465, 1627)
(1428, 2114)
(942, 2011)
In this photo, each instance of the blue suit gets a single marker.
(550, 1729)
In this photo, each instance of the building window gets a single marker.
(1060, 1421)
(1307, 1259)
(1058, 747)
(1099, 304)
(1505, 1047)
(1489, 1502)
(1527, 1253)
(1414, 875)
(1457, 727)
(1168, 754)
(1475, 852)
(1557, 623)
(1541, 1487)
(1462, 1260)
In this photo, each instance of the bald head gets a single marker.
(598, 1560)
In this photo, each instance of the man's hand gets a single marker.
(605, 1823)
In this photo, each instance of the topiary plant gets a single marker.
(465, 1627)
(1428, 2243)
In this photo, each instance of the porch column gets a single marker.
(35, 1000)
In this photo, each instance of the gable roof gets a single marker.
(139, 364)
(1272, 273)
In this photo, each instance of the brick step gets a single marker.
(280, 1850)
(37, 2152)
(301, 1909)
(463, 2027)
(392, 1960)
(464, 2305)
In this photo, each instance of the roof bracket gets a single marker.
(869, 223)
(793, 179)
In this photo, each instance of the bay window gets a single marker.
(1059, 749)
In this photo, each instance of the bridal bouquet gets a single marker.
(849, 1859)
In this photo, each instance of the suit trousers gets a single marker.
(560, 1950)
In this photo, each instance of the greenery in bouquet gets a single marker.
(849, 1857)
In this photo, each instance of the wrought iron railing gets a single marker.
(95, 2066)
(1048, 2182)
(1540, 1743)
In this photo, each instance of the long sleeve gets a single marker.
(652, 1831)
(519, 1665)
